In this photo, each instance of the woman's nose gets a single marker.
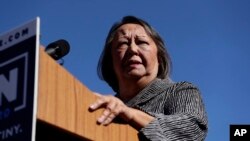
(133, 48)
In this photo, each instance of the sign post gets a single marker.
(19, 82)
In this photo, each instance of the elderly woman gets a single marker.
(136, 65)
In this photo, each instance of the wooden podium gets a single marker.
(63, 103)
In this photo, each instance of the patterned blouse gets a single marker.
(178, 110)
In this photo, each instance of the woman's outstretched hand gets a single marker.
(113, 107)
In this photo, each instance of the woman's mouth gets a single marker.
(133, 63)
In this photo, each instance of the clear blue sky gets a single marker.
(208, 42)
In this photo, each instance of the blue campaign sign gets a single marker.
(18, 82)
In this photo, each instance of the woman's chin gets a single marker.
(135, 74)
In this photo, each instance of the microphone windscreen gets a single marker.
(58, 49)
(64, 45)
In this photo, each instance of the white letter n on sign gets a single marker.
(8, 88)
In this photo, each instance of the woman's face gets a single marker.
(134, 53)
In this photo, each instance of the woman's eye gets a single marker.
(122, 44)
(142, 42)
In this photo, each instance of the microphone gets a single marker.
(58, 49)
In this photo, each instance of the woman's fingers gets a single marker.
(101, 101)
(109, 119)
(113, 107)
(108, 113)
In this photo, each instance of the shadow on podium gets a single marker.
(48, 132)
